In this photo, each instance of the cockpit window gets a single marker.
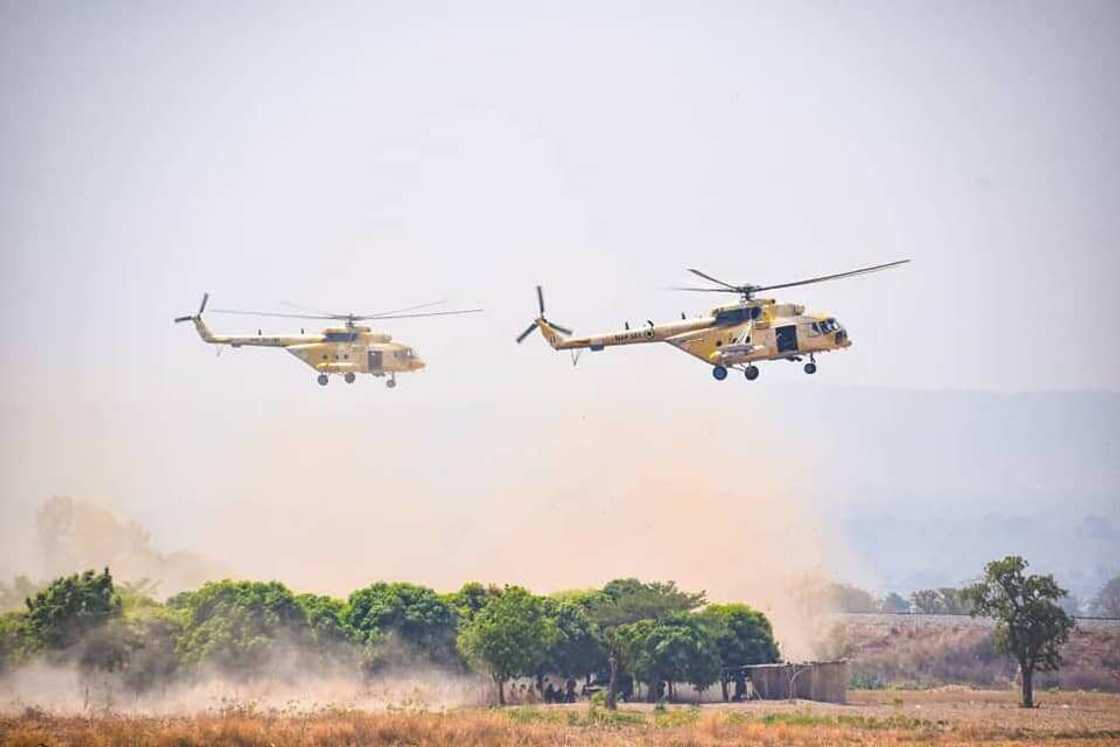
(828, 325)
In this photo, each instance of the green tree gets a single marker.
(1107, 601)
(509, 637)
(942, 601)
(239, 627)
(60, 615)
(675, 648)
(578, 648)
(742, 636)
(1030, 625)
(628, 600)
(894, 603)
(414, 615)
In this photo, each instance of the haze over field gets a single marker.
(358, 158)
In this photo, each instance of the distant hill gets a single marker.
(934, 484)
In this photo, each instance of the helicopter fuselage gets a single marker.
(336, 350)
(728, 336)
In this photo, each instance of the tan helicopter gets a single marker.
(347, 350)
(733, 336)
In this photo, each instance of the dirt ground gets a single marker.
(946, 716)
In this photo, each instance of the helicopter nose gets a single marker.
(842, 338)
(417, 364)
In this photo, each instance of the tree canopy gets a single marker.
(238, 626)
(60, 615)
(417, 615)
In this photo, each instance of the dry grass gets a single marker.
(911, 652)
(954, 716)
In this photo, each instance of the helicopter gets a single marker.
(734, 336)
(346, 350)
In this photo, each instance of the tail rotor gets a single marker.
(541, 319)
(192, 317)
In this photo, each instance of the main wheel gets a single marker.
(323, 379)
(391, 383)
(751, 372)
(349, 377)
(720, 373)
(810, 368)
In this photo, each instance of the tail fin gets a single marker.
(203, 331)
(553, 334)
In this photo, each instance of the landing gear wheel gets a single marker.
(751, 372)
(323, 379)
(349, 377)
(720, 373)
(391, 383)
(810, 368)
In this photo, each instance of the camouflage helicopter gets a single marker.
(735, 336)
(345, 350)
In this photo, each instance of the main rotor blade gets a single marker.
(540, 299)
(406, 308)
(413, 316)
(276, 314)
(325, 314)
(712, 279)
(703, 290)
(837, 276)
(527, 332)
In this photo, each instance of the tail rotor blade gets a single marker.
(558, 328)
(540, 299)
(527, 332)
(183, 319)
(202, 307)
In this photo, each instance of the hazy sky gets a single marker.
(365, 156)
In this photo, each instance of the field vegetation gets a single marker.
(954, 716)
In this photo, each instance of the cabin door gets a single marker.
(374, 361)
(786, 337)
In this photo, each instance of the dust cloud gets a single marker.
(68, 690)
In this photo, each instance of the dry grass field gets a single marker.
(948, 716)
(929, 651)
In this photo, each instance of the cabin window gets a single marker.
(734, 316)
(341, 336)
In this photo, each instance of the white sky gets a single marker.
(359, 157)
(365, 156)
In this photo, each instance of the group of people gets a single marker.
(547, 692)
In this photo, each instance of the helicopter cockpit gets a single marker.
(409, 358)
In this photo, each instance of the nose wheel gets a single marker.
(392, 382)
(811, 366)
(323, 379)
(349, 377)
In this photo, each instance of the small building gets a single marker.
(825, 681)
